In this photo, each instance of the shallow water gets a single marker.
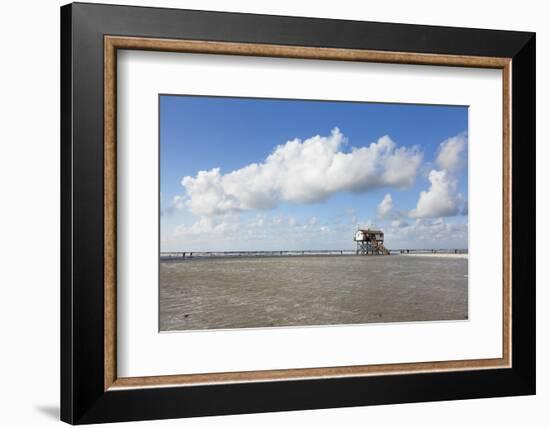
(299, 291)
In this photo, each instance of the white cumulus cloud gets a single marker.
(304, 172)
(177, 203)
(385, 206)
(450, 156)
(440, 200)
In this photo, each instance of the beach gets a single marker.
(440, 255)
(256, 292)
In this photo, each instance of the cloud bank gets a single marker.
(423, 233)
(305, 171)
(268, 232)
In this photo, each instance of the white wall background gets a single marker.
(29, 214)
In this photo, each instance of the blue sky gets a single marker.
(253, 174)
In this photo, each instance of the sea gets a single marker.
(314, 290)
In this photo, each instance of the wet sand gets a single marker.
(316, 290)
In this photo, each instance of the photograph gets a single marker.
(297, 212)
(271, 211)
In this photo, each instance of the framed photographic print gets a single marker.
(266, 213)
